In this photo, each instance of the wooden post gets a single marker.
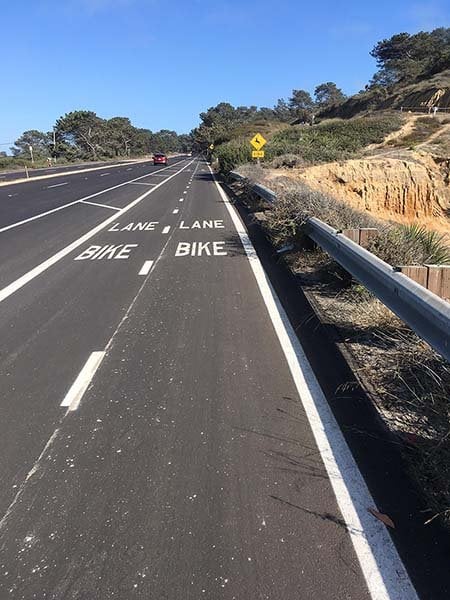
(419, 274)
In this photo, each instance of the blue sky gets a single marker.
(162, 62)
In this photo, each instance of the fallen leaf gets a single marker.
(382, 517)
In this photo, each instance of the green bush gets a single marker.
(232, 154)
(332, 140)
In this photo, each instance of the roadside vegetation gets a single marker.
(84, 136)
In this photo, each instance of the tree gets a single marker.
(301, 104)
(282, 110)
(39, 141)
(404, 57)
(84, 130)
(327, 94)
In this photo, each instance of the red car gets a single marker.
(159, 159)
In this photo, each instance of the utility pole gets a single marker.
(31, 154)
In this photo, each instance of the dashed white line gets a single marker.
(166, 229)
(48, 212)
(146, 267)
(105, 174)
(101, 205)
(175, 211)
(81, 383)
(130, 169)
(181, 200)
(39, 269)
(57, 185)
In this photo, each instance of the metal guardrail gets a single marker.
(426, 314)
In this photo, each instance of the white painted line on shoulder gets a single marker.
(166, 229)
(56, 185)
(98, 204)
(30, 275)
(145, 270)
(81, 383)
(382, 567)
(175, 211)
(48, 212)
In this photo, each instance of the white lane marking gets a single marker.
(175, 211)
(27, 277)
(130, 169)
(65, 173)
(166, 229)
(184, 192)
(105, 174)
(98, 204)
(181, 200)
(145, 270)
(141, 183)
(57, 185)
(81, 383)
(382, 567)
(48, 212)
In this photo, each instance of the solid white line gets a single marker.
(18, 283)
(382, 567)
(48, 212)
(98, 204)
(145, 270)
(81, 383)
(166, 229)
(175, 211)
(57, 185)
(65, 173)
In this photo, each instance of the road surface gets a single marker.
(161, 434)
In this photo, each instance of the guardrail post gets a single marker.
(417, 273)
(439, 280)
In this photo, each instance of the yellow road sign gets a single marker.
(257, 153)
(258, 141)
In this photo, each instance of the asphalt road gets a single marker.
(56, 170)
(157, 435)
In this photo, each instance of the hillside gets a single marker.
(433, 91)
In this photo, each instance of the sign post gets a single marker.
(258, 142)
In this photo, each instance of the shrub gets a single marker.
(232, 154)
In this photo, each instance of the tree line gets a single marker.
(83, 135)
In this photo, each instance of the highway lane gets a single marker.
(189, 469)
(19, 174)
(23, 201)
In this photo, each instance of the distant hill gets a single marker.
(419, 96)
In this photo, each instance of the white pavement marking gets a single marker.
(185, 192)
(130, 169)
(166, 229)
(57, 185)
(98, 204)
(105, 174)
(181, 200)
(48, 212)
(175, 211)
(141, 183)
(146, 267)
(81, 383)
(30, 275)
(65, 173)
(382, 567)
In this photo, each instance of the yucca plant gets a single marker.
(435, 246)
